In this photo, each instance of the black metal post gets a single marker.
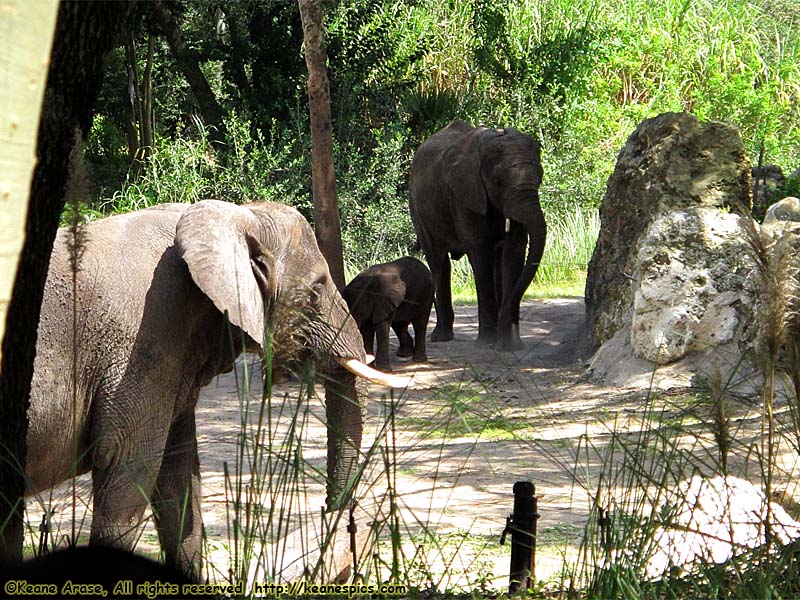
(522, 525)
(352, 529)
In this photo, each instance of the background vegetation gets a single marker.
(580, 74)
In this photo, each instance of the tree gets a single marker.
(343, 407)
(139, 108)
(326, 207)
(190, 67)
(84, 34)
(29, 30)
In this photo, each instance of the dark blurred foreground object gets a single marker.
(85, 34)
(87, 569)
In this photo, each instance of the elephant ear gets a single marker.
(227, 262)
(462, 166)
(387, 296)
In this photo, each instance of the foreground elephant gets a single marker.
(396, 294)
(151, 292)
(475, 191)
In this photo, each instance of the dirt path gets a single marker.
(477, 422)
(463, 436)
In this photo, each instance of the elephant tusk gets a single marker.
(358, 368)
(369, 359)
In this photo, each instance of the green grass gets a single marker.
(467, 409)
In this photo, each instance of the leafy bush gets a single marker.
(578, 74)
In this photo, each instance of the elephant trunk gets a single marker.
(536, 228)
(344, 411)
(346, 341)
(537, 236)
(345, 401)
(345, 405)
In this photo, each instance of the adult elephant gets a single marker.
(166, 298)
(475, 191)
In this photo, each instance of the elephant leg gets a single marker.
(177, 497)
(498, 273)
(382, 351)
(440, 269)
(513, 261)
(125, 464)
(483, 270)
(420, 323)
(368, 335)
(406, 342)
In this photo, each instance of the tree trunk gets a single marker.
(85, 33)
(148, 139)
(344, 410)
(326, 208)
(238, 51)
(206, 102)
(24, 48)
(140, 121)
(133, 110)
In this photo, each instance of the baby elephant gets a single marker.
(396, 293)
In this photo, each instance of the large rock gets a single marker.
(671, 162)
(690, 285)
(711, 521)
(711, 291)
(783, 213)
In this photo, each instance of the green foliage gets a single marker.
(549, 50)
(579, 74)
(106, 153)
(792, 185)
(376, 225)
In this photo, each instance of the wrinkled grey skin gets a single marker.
(396, 294)
(151, 292)
(465, 183)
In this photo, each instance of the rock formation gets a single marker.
(671, 162)
(690, 279)
(711, 521)
(782, 213)
(670, 278)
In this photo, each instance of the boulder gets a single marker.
(671, 162)
(781, 213)
(711, 521)
(689, 285)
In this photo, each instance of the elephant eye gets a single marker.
(318, 288)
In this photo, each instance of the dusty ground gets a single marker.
(477, 422)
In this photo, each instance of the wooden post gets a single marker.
(522, 526)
